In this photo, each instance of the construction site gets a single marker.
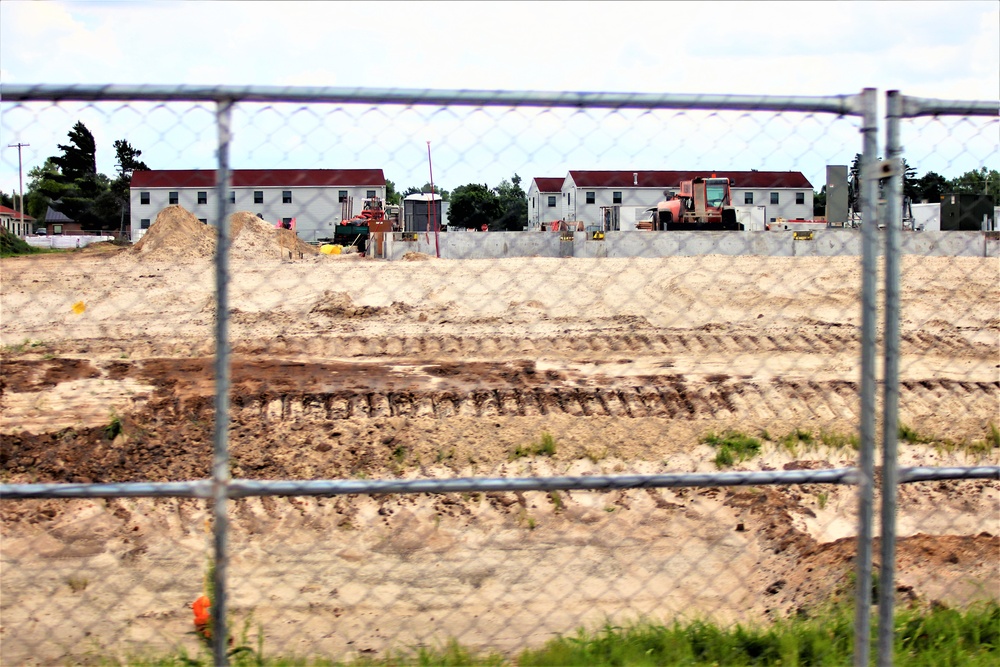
(356, 369)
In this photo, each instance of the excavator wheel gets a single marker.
(729, 219)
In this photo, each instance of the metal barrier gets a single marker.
(549, 438)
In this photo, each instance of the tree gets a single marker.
(391, 196)
(910, 189)
(473, 206)
(439, 191)
(513, 205)
(819, 202)
(930, 188)
(127, 159)
(42, 185)
(981, 182)
(76, 183)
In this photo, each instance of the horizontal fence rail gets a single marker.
(242, 488)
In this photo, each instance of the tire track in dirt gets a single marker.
(814, 402)
(656, 342)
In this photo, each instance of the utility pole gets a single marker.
(20, 180)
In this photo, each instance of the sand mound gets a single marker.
(415, 257)
(255, 239)
(176, 235)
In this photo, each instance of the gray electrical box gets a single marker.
(836, 195)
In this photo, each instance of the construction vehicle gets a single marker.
(701, 203)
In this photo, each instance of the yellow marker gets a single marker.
(79, 307)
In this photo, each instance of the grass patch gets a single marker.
(792, 441)
(732, 446)
(114, 427)
(546, 446)
(835, 440)
(12, 246)
(923, 637)
(907, 434)
(986, 445)
(23, 346)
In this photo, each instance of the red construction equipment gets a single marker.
(702, 203)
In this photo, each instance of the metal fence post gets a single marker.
(220, 461)
(869, 275)
(890, 474)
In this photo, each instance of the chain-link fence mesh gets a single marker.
(495, 437)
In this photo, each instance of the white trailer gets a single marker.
(753, 218)
(926, 217)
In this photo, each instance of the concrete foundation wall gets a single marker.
(823, 243)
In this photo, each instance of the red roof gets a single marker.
(6, 210)
(672, 179)
(549, 184)
(264, 178)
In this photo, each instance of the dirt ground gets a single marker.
(348, 367)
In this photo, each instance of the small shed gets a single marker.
(424, 212)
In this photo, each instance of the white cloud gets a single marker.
(929, 49)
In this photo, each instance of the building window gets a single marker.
(143, 197)
(552, 201)
(232, 196)
(774, 197)
(202, 197)
(144, 223)
(371, 194)
(286, 223)
(286, 197)
(342, 196)
(172, 197)
(204, 220)
(616, 197)
(800, 198)
(57, 229)
(258, 196)
(747, 197)
(591, 197)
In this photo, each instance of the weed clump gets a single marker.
(546, 446)
(732, 446)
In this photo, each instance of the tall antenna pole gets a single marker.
(20, 180)
(434, 222)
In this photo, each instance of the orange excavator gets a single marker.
(702, 203)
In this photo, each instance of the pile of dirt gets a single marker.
(177, 235)
(255, 239)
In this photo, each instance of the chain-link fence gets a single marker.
(652, 389)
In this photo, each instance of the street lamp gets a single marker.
(20, 180)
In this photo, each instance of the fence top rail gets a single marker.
(837, 104)
(926, 106)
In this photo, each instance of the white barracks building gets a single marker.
(579, 196)
(317, 199)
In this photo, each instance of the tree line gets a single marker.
(929, 188)
(71, 183)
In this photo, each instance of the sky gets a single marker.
(946, 50)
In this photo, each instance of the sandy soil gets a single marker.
(350, 367)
